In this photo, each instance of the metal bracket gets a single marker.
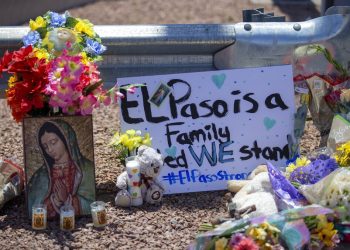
(258, 15)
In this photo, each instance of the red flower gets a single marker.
(26, 94)
(246, 244)
(4, 62)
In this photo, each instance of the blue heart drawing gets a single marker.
(269, 122)
(171, 151)
(218, 80)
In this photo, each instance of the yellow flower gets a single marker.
(300, 162)
(84, 26)
(258, 235)
(46, 42)
(324, 231)
(264, 235)
(41, 53)
(115, 140)
(130, 140)
(12, 80)
(136, 142)
(38, 23)
(84, 58)
(147, 140)
(221, 244)
(342, 155)
(123, 139)
(131, 132)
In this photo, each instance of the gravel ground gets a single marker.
(172, 225)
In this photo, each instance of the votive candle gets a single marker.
(133, 169)
(99, 214)
(39, 217)
(67, 219)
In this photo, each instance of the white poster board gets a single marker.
(213, 126)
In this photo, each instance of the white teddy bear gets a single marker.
(152, 190)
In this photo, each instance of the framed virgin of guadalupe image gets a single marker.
(59, 163)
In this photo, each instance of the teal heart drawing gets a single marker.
(218, 80)
(269, 122)
(171, 151)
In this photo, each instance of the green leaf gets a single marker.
(42, 31)
(331, 59)
(227, 234)
(91, 88)
(98, 39)
(71, 22)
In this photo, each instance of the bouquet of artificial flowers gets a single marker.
(338, 94)
(55, 70)
(127, 143)
(308, 227)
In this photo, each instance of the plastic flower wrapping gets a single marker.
(336, 85)
(127, 143)
(323, 83)
(55, 70)
(309, 227)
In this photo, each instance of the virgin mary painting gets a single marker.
(66, 175)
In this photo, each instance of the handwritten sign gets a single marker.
(215, 126)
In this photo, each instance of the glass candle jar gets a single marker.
(67, 219)
(133, 169)
(39, 217)
(99, 214)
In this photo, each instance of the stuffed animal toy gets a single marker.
(141, 182)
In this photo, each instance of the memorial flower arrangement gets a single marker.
(50, 33)
(127, 143)
(338, 93)
(309, 171)
(55, 70)
(308, 227)
(311, 192)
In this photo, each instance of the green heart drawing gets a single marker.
(218, 80)
(269, 123)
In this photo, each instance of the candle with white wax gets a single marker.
(133, 170)
(39, 217)
(67, 219)
(99, 214)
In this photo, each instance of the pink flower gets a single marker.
(131, 90)
(246, 244)
(236, 238)
(114, 94)
(105, 99)
(50, 89)
(87, 104)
